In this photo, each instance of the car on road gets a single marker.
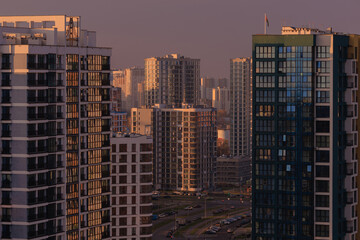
(209, 231)
(188, 208)
(230, 230)
(163, 215)
(214, 228)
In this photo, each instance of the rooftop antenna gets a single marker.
(72, 31)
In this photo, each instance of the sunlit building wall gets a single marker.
(55, 127)
(172, 80)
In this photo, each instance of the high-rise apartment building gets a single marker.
(305, 136)
(184, 146)
(172, 80)
(240, 106)
(221, 99)
(55, 97)
(129, 80)
(131, 200)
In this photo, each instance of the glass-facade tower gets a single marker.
(303, 136)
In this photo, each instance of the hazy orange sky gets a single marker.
(212, 30)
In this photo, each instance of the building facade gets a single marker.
(184, 148)
(304, 165)
(240, 106)
(130, 80)
(232, 171)
(55, 127)
(221, 99)
(172, 80)
(131, 201)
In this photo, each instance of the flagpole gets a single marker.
(265, 24)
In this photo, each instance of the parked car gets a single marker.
(188, 208)
(209, 231)
(163, 215)
(197, 206)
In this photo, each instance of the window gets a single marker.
(322, 171)
(265, 52)
(322, 141)
(122, 147)
(322, 201)
(322, 96)
(322, 51)
(265, 96)
(322, 186)
(265, 81)
(322, 111)
(323, 82)
(322, 126)
(264, 125)
(265, 67)
(322, 156)
(323, 66)
(322, 230)
(264, 110)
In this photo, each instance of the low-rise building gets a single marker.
(131, 176)
(232, 171)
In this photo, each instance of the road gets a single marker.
(163, 225)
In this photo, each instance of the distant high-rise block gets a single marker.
(131, 202)
(184, 145)
(129, 80)
(55, 124)
(172, 80)
(221, 99)
(305, 137)
(240, 106)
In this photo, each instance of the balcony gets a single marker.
(60, 99)
(60, 148)
(6, 99)
(59, 180)
(105, 204)
(6, 116)
(6, 201)
(59, 115)
(349, 200)
(105, 219)
(6, 83)
(349, 142)
(105, 128)
(6, 65)
(6, 133)
(83, 177)
(59, 196)
(59, 164)
(105, 189)
(6, 167)
(6, 184)
(6, 234)
(6, 218)
(83, 130)
(59, 229)
(59, 212)
(105, 67)
(32, 217)
(59, 83)
(349, 114)
(349, 171)
(60, 66)
(6, 150)
(349, 229)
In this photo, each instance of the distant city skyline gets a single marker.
(213, 31)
